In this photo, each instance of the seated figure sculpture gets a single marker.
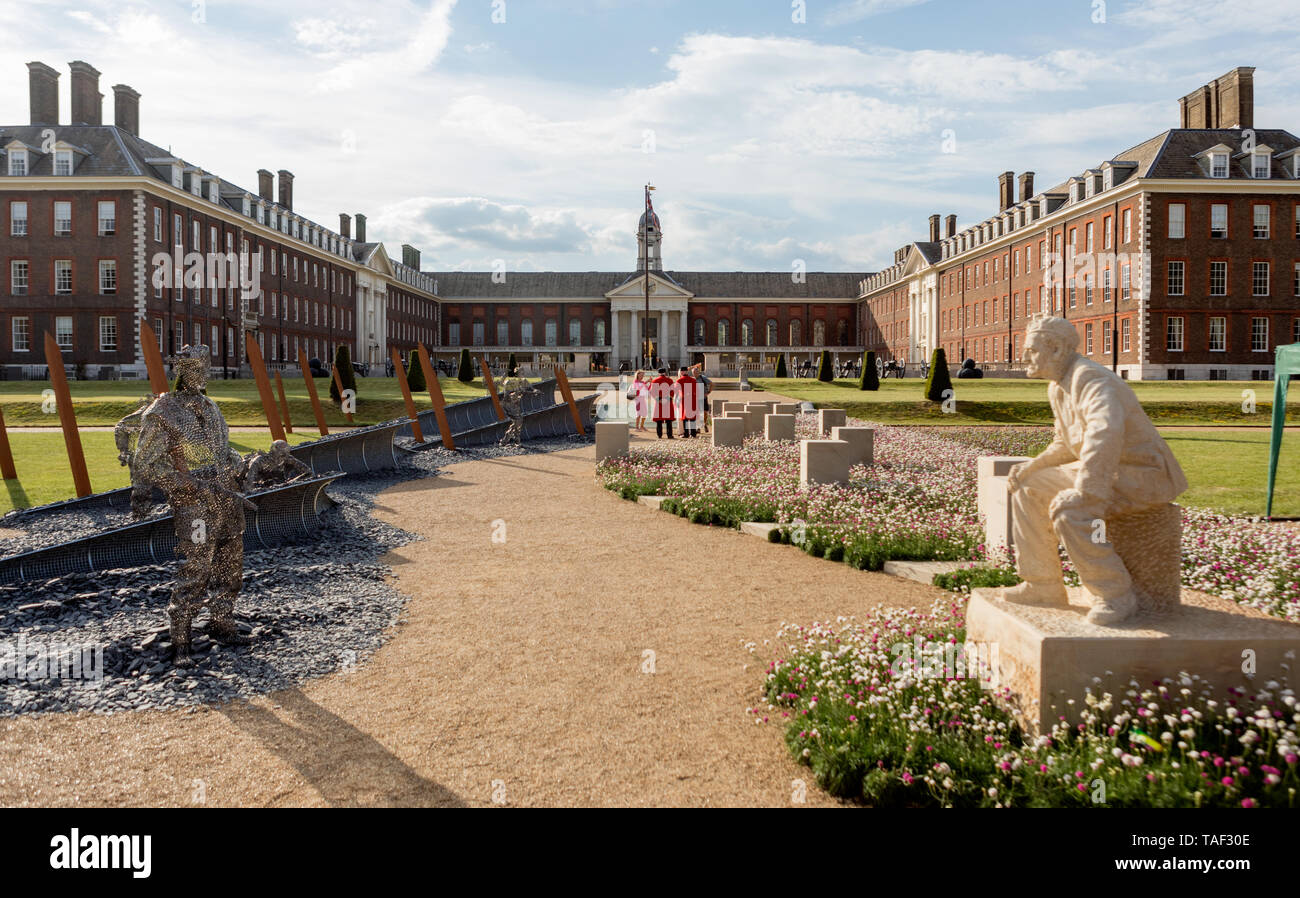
(180, 444)
(513, 389)
(1106, 459)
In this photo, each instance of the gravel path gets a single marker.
(515, 674)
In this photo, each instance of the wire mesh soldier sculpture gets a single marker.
(513, 389)
(182, 446)
(263, 470)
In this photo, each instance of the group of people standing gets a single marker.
(664, 400)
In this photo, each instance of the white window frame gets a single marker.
(62, 232)
(15, 289)
(107, 269)
(1215, 210)
(108, 328)
(1182, 278)
(60, 333)
(1255, 288)
(1175, 333)
(63, 163)
(18, 224)
(58, 267)
(1218, 264)
(1216, 339)
(1218, 165)
(107, 226)
(17, 163)
(1261, 230)
(1261, 165)
(1258, 338)
(1177, 225)
(20, 325)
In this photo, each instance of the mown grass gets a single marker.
(996, 401)
(106, 402)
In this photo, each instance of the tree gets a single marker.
(347, 377)
(937, 382)
(415, 372)
(780, 366)
(870, 379)
(825, 369)
(466, 372)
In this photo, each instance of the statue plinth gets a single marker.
(1046, 656)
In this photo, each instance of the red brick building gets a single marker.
(102, 228)
(1178, 258)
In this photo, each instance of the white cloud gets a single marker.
(855, 10)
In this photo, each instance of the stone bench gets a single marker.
(823, 461)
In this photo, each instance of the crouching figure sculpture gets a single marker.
(1106, 464)
(180, 444)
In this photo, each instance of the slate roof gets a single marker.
(595, 284)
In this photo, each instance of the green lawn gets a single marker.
(41, 460)
(105, 402)
(997, 401)
(1228, 469)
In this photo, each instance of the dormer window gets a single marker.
(18, 162)
(247, 207)
(212, 191)
(178, 177)
(1261, 164)
(1108, 178)
(261, 214)
(63, 162)
(1218, 165)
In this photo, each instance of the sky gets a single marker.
(521, 132)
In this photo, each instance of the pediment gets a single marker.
(660, 288)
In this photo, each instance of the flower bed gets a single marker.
(917, 502)
(876, 727)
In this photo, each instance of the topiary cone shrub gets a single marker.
(938, 380)
(512, 364)
(415, 372)
(870, 379)
(465, 374)
(780, 366)
(347, 377)
(825, 370)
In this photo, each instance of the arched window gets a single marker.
(844, 333)
(551, 332)
(698, 332)
(600, 331)
(819, 333)
(525, 332)
(796, 333)
(771, 332)
(503, 332)
(724, 332)
(747, 332)
(575, 332)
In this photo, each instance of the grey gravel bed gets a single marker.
(312, 609)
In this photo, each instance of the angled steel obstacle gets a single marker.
(285, 514)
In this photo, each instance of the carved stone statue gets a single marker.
(263, 470)
(1106, 462)
(180, 444)
(513, 389)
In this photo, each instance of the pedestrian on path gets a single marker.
(688, 399)
(639, 393)
(662, 390)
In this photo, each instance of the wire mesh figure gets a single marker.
(513, 389)
(182, 446)
(263, 470)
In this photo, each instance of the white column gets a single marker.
(663, 332)
(683, 333)
(613, 341)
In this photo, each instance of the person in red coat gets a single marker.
(662, 392)
(688, 403)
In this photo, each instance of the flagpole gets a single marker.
(645, 321)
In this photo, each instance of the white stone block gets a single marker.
(823, 461)
(785, 408)
(828, 418)
(611, 439)
(992, 499)
(728, 431)
(861, 440)
(778, 427)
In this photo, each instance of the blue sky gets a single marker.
(527, 140)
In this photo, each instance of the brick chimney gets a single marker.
(934, 228)
(87, 101)
(265, 189)
(345, 225)
(361, 228)
(1226, 102)
(43, 87)
(126, 109)
(1006, 190)
(950, 226)
(286, 189)
(1026, 185)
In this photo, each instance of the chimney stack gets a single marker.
(126, 109)
(87, 101)
(950, 226)
(361, 228)
(43, 87)
(345, 225)
(1226, 102)
(1026, 185)
(286, 189)
(264, 185)
(410, 256)
(934, 228)
(1006, 190)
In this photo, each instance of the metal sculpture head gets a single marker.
(192, 364)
